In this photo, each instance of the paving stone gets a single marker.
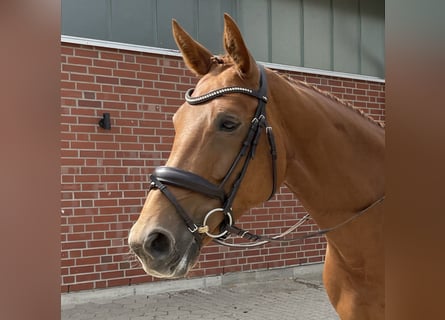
(284, 299)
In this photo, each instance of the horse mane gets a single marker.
(226, 60)
(329, 95)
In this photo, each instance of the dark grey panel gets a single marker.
(346, 33)
(373, 38)
(286, 35)
(185, 12)
(340, 35)
(86, 18)
(253, 19)
(317, 34)
(210, 24)
(134, 21)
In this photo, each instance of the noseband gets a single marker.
(163, 176)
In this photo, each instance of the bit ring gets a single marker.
(212, 212)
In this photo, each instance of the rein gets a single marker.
(163, 176)
(259, 240)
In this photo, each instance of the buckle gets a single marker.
(194, 229)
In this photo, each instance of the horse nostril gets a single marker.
(158, 245)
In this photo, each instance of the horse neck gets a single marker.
(334, 155)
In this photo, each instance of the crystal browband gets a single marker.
(218, 93)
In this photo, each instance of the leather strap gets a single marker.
(187, 180)
(263, 239)
(220, 92)
(193, 228)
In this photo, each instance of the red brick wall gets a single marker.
(104, 174)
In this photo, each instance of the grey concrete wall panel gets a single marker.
(346, 36)
(253, 18)
(317, 34)
(184, 11)
(211, 23)
(86, 18)
(134, 21)
(286, 33)
(372, 51)
(338, 35)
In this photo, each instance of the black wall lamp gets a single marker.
(105, 122)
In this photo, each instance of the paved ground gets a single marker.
(299, 295)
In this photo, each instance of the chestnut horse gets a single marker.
(243, 131)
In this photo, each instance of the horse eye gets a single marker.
(228, 125)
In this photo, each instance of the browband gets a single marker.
(220, 92)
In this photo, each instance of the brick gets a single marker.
(78, 236)
(89, 95)
(132, 98)
(104, 266)
(112, 274)
(118, 282)
(111, 56)
(107, 80)
(336, 83)
(104, 63)
(172, 94)
(100, 71)
(364, 86)
(375, 87)
(106, 96)
(68, 51)
(81, 269)
(128, 66)
(81, 77)
(359, 91)
(80, 287)
(152, 69)
(131, 82)
(169, 78)
(74, 68)
(87, 277)
(313, 80)
(80, 60)
(361, 98)
(147, 76)
(107, 88)
(89, 103)
(129, 58)
(73, 245)
(125, 90)
(349, 84)
(86, 53)
(172, 71)
(146, 60)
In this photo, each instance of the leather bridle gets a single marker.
(163, 176)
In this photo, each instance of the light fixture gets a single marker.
(105, 122)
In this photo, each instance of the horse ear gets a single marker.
(196, 57)
(236, 48)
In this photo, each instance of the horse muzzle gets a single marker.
(162, 255)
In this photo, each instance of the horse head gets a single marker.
(223, 160)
